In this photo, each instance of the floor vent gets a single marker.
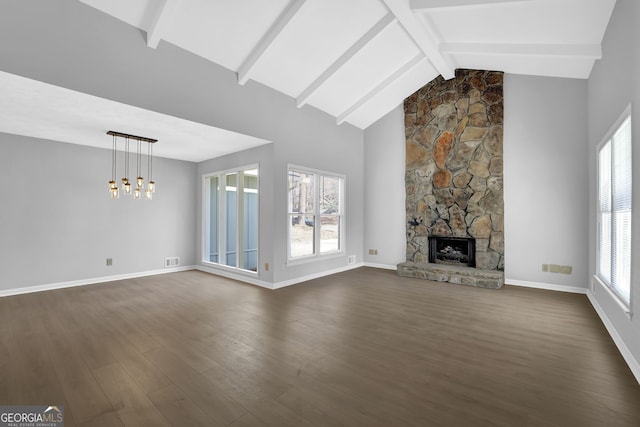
(172, 262)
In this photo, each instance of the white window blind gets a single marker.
(614, 211)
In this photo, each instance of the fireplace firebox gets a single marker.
(452, 250)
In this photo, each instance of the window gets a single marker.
(614, 211)
(231, 218)
(315, 213)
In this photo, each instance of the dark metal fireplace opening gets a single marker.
(452, 250)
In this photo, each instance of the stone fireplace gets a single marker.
(454, 180)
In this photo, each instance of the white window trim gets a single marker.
(625, 306)
(206, 194)
(318, 256)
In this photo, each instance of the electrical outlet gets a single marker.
(266, 266)
(109, 262)
(545, 267)
(373, 252)
(565, 269)
(352, 259)
(554, 268)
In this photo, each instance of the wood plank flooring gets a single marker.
(360, 348)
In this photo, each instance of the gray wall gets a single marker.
(613, 85)
(545, 175)
(326, 148)
(69, 44)
(384, 164)
(263, 157)
(59, 224)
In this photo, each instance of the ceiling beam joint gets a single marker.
(422, 36)
(162, 18)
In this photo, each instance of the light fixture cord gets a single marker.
(149, 164)
(113, 160)
(126, 161)
(139, 161)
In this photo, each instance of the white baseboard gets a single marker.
(290, 282)
(382, 266)
(277, 285)
(91, 281)
(235, 276)
(633, 363)
(547, 286)
(219, 272)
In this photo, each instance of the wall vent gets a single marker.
(171, 262)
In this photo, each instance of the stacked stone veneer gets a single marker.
(454, 181)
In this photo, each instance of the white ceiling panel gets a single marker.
(351, 58)
(539, 22)
(392, 94)
(320, 32)
(385, 54)
(225, 32)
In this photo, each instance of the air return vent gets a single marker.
(171, 262)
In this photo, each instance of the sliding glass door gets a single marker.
(231, 218)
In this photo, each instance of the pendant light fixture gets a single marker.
(114, 190)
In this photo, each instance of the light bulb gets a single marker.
(112, 185)
(152, 186)
(136, 193)
(127, 188)
(140, 181)
(149, 195)
(115, 193)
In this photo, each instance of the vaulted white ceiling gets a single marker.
(358, 59)
(354, 59)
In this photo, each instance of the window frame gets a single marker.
(317, 255)
(620, 299)
(222, 221)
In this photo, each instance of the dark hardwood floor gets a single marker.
(360, 348)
